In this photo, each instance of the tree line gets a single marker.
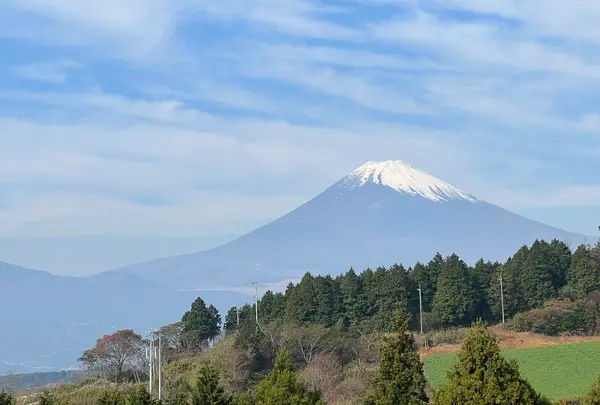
(453, 293)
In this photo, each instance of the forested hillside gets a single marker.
(336, 339)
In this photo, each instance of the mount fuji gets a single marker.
(381, 213)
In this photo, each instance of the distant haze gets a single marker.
(90, 254)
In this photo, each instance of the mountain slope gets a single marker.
(47, 321)
(381, 213)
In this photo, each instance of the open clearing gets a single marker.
(554, 369)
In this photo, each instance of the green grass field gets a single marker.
(555, 371)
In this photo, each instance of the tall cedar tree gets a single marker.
(454, 299)
(536, 276)
(203, 322)
(208, 390)
(6, 399)
(328, 300)
(271, 307)
(584, 273)
(282, 386)
(482, 376)
(483, 276)
(560, 260)
(351, 291)
(513, 297)
(301, 306)
(400, 379)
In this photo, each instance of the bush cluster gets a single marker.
(558, 317)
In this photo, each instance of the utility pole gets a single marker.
(255, 299)
(502, 296)
(420, 308)
(237, 310)
(151, 353)
(159, 367)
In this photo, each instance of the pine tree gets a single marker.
(583, 275)
(400, 379)
(282, 386)
(454, 299)
(482, 376)
(208, 389)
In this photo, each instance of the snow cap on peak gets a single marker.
(405, 179)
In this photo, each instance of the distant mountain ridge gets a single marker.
(379, 214)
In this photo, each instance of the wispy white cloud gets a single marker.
(53, 71)
(186, 101)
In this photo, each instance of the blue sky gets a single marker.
(180, 118)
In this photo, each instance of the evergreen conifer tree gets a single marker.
(282, 386)
(536, 276)
(454, 301)
(208, 390)
(584, 273)
(351, 292)
(400, 379)
(482, 376)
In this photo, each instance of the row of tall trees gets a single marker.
(453, 293)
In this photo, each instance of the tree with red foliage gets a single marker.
(116, 356)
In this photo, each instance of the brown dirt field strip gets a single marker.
(515, 340)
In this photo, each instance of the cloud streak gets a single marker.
(168, 116)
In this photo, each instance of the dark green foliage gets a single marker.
(202, 322)
(482, 376)
(282, 386)
(483, 276)
(351, 292)
(400, 379)
(208, 390)
(272, 307)
(511, 276)
(245, 313)
(301, 303)
(537, 276)
(584, 273)
(6, 399)
(560, 261)
(454, 302)
(328, 300)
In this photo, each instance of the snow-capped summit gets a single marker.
(405, 179)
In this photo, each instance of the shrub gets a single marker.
(558, 317)
(6, 399)
(482, 376)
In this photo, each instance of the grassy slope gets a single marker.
(556, 371)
